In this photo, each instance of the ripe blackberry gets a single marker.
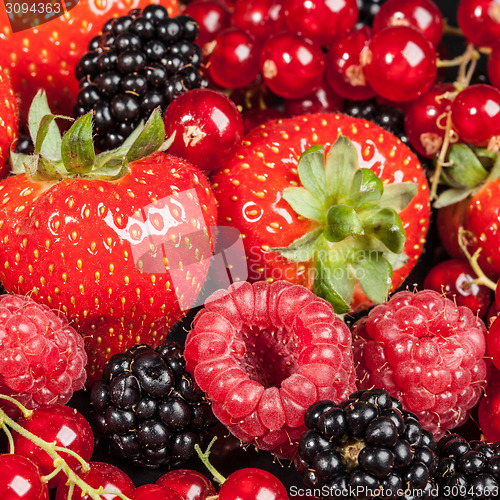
(139, 62)
(149, 408)
(467, 469)
(365, 447)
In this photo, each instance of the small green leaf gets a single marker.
(374, 274)
(168, 142)
(465, 166)
(311, 170)
(302, 249)
(30, 164)
(366, 187)
(451, 196)
(386, 226)
(77, 147)
(398, 195)
(324, 284)
(495, 170)
(341, 164)
(49, 170)
(16, 161)
(342, 221)
(305, 204)
(150, 139)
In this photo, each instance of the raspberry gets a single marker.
(42, 358)
(264, 353)
(427, 352)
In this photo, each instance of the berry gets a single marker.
(368, 10)
(423, 15)
(9, 120)
(42, 357)
(475, 114)
(344, 72)
(261, 18)
(190, 484)
(425, 119)
(399, 63)
(322, 100)
(207, 126)
(100, 474)
(489, 409)
(292, 65)
(251, 483)
(21, 479)
(234, 60)
(493, 67)
(468, 469)
(212, 17)
(148, 407)
(152, 47)
(427, 352)
(479, 21)
(155, 492)
(254, 117)
(366, 443)
(62, 426)
(263, 353)
(320, 20)
(455, 278)
(493, 341)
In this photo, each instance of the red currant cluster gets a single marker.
(51, 446)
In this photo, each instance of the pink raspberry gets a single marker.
(264, 353)
(428, 353)
(42, 358)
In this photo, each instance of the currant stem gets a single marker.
(482, 279)
(26, 413)
(9, 438)
(441, 161)
(204, 457)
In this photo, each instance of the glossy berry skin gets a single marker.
(479, 21)
(489, 406)
(400, 63)
(208, 127)
(423, 15)
(110, 477)
(21, 479)
(475, 114)
(189, 484)
(234, 60)
(321, 100)
(212, 17)
(254, 117)
(343, 69)
(261, 18)
(292, 65)
(57, 424)
(320, 20)
(251, 483)
(426, 352)
(155, 492)
(9, 122)
(493, 66)
(455, 278)
(425, 119)
(493, 341)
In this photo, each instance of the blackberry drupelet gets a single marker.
(149, 408)
(366, 446)
(467, 470)
(139, 62)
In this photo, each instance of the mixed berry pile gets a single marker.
(250, 250)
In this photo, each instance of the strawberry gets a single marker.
(340, 228)
(471, 203)
(118, 241)
(46, 56)
(8, 120)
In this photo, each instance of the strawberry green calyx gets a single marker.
(357, 234)
(59, 157)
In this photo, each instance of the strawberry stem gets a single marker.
(204, 457)
(52, 451)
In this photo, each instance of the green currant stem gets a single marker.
(9, 438)
(26, 413)
(451, 30)
(53, 474)
(482, 279)
(59, 462)
(441, 161)
(84, 464)
(204, 457)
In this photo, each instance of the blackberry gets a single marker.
(467, 469)
(141, 61)
(365, 447)
(149, 408)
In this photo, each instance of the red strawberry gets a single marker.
(355, 224)
(45, 56)
(8, 120)
(118, 241)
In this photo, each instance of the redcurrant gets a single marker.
(21, 479)
(189, 484)
(212, 17)
(250, 484)
(261, 18)
(479, 21)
